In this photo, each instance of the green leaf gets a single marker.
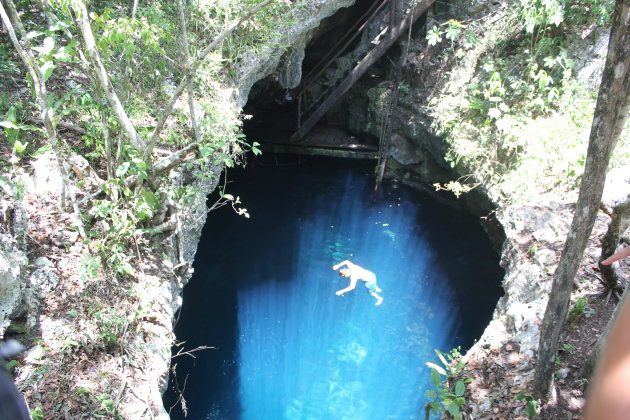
(452, 407)
(435, 378)
(47, 69)
(452, 32)
(531, 408)
(122, 169)
(19, 147)
(460, 366)
(436, 407)
(494, 113)
(430, 394)
(434, 36)
(48, 45)
(150, 198)
(33, 34)
(442, 358)
(439, 369)
(64, 54)
(460, 388)
(205, 150)
(58, 26)
(15, 126)
(9, 124)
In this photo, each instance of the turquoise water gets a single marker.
(288, 347)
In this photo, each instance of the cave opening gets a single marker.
(266, 337)
(272, 115)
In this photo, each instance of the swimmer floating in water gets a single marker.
(357, 273)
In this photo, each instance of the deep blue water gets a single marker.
(287, 347)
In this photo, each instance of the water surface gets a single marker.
(264, 294)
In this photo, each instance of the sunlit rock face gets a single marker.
(254, 67)
(12, 260)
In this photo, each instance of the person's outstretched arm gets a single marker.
(338, 266)
(622, 253)
(351, 286)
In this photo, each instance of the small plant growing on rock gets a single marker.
(532, 250)
(448, 396)
(530, 404)
(581, 307)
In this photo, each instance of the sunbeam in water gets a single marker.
(293, 349)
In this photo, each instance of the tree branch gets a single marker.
(166, 112)
(175, 159)
(191, 93)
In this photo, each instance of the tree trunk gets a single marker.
(618, 224)
(611, 113)
(106, 85)
(134, 9)
(191, 93)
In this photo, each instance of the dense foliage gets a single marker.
(524, 82)
(114, 74)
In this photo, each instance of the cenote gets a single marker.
(285, 346)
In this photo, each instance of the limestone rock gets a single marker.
(12, 261)
(289, 73)
(46, 178)
(404, 151)
(329, 136)
(617, 187)
(589, 53)
(257, 66)
(41, 282)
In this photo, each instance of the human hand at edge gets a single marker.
(623, 253)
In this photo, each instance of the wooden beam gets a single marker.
(319, 151)
(360, 69)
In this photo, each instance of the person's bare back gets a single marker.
(356, 273)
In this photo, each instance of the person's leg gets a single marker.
(379, 299)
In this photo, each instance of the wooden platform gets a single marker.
(348, 152)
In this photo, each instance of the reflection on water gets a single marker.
(295, 350)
